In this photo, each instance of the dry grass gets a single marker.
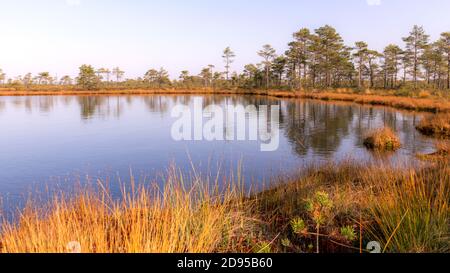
(406, 210)
(433, 105)
(443, 148)
(442, 152)
(411, 214)
(387, 98)
(176, 219)
(436, 125)
(424, 94)
(383, 139)
(403, 209)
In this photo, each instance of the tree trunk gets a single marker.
(371, 74)
(415, 67)
(404, 74)
(299, 84)
(360, 75)
(448, 72)
(395, 77)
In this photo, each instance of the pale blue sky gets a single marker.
(60, 35)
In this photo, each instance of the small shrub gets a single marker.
(404, 92)
(298, 226)
(286, 242)
(348, 233)
(264, 248)
(319, 208)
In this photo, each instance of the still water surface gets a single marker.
(60, 140)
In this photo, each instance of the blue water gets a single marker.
(55, 140)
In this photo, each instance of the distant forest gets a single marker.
(317, 59)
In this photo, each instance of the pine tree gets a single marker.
(445, 46)
(300, 46)
(416, 43)
(392, 55)
(372, 67)
(268, 54)
(118, 73)
(278, 68)
(228, 57)
(87, 77)
(360, 57)
(2, 76)
(331, 52)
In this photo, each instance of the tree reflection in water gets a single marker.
(310, 127)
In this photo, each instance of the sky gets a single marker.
(60, 35)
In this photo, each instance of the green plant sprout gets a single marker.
(319, 208)
(348, 232)
(298, 226)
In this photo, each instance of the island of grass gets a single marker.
(383, 139)
(436, 125)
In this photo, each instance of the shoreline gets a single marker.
(359, 203)
(363, 203)
(433, 105)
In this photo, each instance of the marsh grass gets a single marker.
(443, 147)
(383, 139)
(412, 213)
(405, 209)
(436, 125)
(433, 105)
(442, 152)
(178, 218)
(436, 103)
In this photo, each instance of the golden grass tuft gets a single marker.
(175, 219)
(436, 125)
(383, 139)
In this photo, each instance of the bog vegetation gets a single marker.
(383, 139)
(332, 208)
(436, 125)
(314, 60)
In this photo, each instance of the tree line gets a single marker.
(314, 59)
